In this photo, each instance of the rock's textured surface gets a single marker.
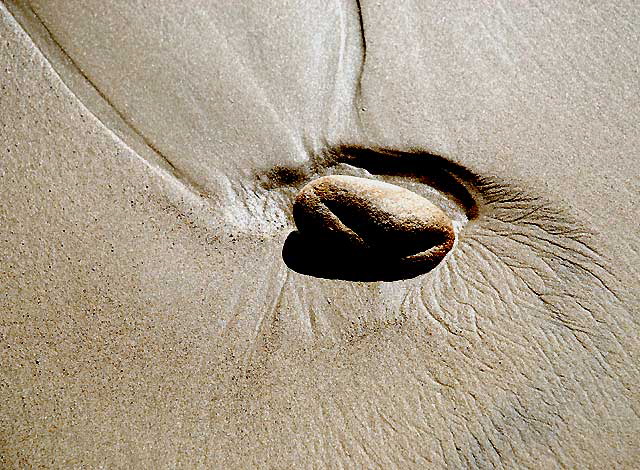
(390, 221)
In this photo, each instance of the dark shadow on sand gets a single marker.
(332, 260)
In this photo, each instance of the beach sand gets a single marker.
(150, 156)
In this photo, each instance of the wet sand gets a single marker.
(151, 155)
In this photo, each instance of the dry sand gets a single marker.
(150, 156)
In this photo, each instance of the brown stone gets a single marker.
(370, 215)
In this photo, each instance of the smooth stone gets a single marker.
(372, 216)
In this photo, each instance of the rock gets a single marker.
(380, 219)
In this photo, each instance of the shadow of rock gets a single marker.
(330, 259)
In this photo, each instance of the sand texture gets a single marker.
(157, 309)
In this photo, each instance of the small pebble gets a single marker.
(374, 217)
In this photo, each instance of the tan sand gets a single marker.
(151, 154)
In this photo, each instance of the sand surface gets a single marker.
(150, 156)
